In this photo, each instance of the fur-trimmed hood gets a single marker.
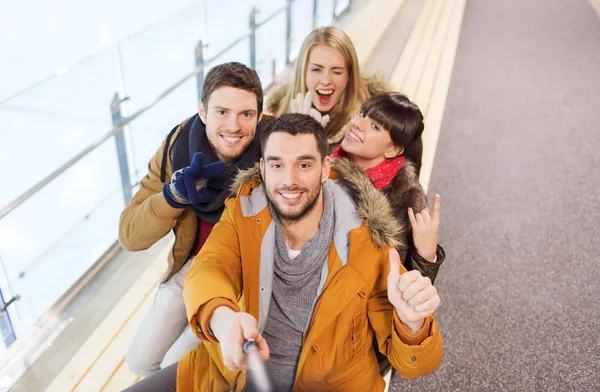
(372, 206)
(404, 191)
(273, 100)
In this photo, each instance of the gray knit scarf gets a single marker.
(295, 285)
(297, 271)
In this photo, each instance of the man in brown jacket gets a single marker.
(187, 182)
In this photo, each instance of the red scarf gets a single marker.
(382, 174)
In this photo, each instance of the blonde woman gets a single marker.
(326, 78)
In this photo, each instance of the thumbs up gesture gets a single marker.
(188, 185)
(412, 294)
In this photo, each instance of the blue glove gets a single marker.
(188, 185)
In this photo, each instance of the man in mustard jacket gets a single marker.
(310, 275)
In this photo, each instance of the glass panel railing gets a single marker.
(340, 6)
(270, 47)
(324, 12)
(51, 240)
(149, 130)
(239, 52)
(156, 59)
(229, 19)
(60, 209)
(152, 61)
(43, 128)
(302, 16)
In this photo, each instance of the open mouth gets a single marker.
(231, 139)
(353, 137)
(325, 96)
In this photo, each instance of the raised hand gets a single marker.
(303, 104)
(188, 185)
(425, 227)
(232, 329)
(412, 294)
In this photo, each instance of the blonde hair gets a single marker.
(356, 90)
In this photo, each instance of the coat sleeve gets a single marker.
(148, 218)
(417, 262)
(411, 355)
(215, 277)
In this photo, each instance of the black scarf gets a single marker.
(191, 139)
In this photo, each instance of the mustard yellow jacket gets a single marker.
(234, 269)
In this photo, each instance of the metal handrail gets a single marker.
(117, 129)
(41, 184)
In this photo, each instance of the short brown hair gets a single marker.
(294, 124)
(235, 75)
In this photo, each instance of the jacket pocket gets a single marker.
(360, 325)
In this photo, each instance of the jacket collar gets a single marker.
(403, 192)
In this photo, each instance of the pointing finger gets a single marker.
(437, 208)
(196, 165)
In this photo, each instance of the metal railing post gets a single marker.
(117, 119)
(7, 332)
(314, 18)
(200, 65)
(288, 31)
(253, 38)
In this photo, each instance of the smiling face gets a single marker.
(368, 143)
(293, 171)
(326, 77)
(230, 117)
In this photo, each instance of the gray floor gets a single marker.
(517, 168)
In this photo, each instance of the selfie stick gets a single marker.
(257, 368)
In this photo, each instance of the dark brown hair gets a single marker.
(403, 120)
(235, 75)
(294, 124)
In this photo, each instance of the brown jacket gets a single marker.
(145, 220)
(233, 268)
